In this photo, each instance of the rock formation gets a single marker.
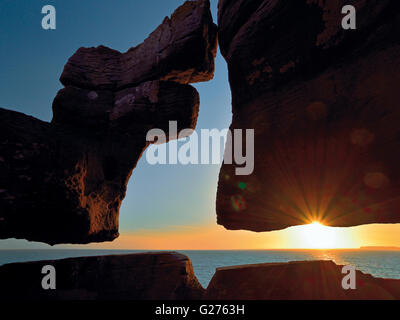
(63, 182)
(145, 276)
(300, 280)
(169, 276)
(324, 105)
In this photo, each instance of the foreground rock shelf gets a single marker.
(310, 280)
(117, 277)
(64, 181)
(153, 276)
(324, 105)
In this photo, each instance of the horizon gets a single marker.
(366, 248)
(266, 249)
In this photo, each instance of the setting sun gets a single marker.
(316, 236)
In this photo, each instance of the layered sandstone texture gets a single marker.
(64, 181)
(324, 104)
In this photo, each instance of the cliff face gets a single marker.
(302, 280)
(324, 105)
(64, 181)
(146, 276)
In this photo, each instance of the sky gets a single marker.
(166, 206)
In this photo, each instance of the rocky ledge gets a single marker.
(324, 105)
(300, 280)
(64, 181)
(144, 276)
(170, 276)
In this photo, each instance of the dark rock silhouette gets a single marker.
(300, 280)
(64, 181)
(181, 49)
(169, 276)
(324, 105)
(144, 276)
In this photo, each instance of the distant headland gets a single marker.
(380, 248)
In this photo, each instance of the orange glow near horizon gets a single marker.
(214, 237)
(318, 236)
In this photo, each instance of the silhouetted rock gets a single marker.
(324, 105)
(145, 276)
(170, 276)
(181, 49)
(302, 280)
(64, 181)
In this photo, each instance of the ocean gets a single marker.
(382, 264)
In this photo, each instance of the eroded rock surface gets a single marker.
(170, 276)
(324, 105)
(64, 181)
(145, 276)
(181, 49)
(301, 280)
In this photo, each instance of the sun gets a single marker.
(317, 236)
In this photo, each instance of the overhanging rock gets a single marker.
(324, 105)
(64, 181)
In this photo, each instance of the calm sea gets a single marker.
(383, 264)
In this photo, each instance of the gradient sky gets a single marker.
(167, 206)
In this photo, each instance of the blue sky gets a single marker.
(159, 197)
